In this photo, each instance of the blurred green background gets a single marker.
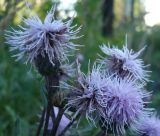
(103, 21)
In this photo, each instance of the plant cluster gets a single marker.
(111, 95)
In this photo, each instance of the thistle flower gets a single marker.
(147, 126)
(117, 101)
(85, 96)
(63, 123)
(125, 103)
(125, 62)
(50, 39)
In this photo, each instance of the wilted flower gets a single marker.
(63, 123)
(50, 39)
(147, 126)
(125, 103)
(85, 96)
(125, 62)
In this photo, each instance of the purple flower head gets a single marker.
(118, 102)
(63, 123)
(125, 103)
(147, 126)
(125, 62)
(50, 38)
(85, 96)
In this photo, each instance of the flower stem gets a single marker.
(49, 107)
(41, 123)
(57, 122)
(52, 81)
